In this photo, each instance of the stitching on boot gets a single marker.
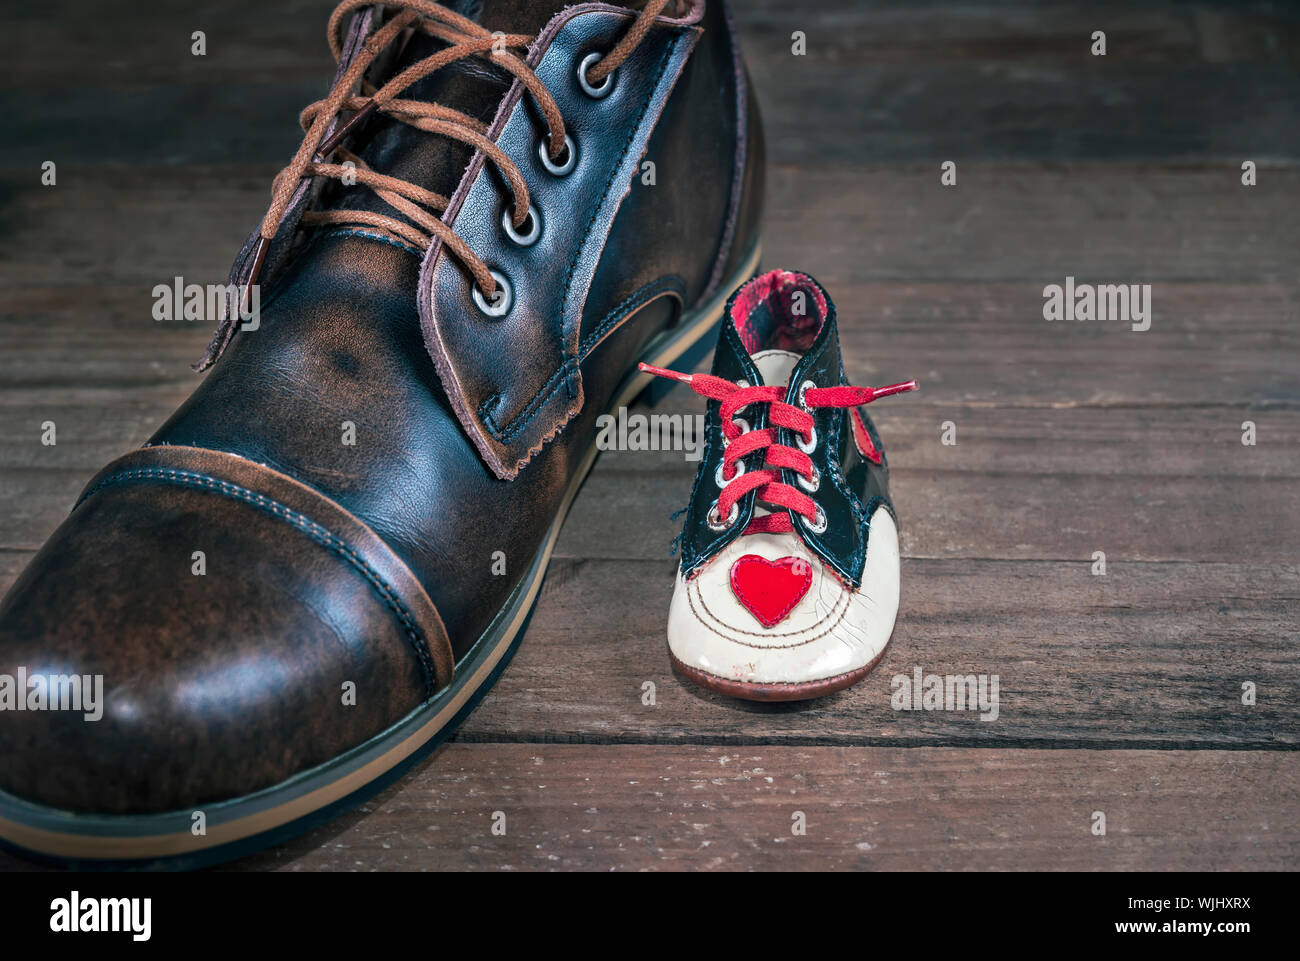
(315, 531)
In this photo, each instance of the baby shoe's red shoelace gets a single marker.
(735, 481)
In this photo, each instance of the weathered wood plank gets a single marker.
(1255, 32)
(627, 808)
(288, 41)
(968, 344)
(863, 222)
(995, 515)
(1045, 33)
(116, 227)
(1035, 484)
(1147, 655)
(657, 808)
(1044, 112)
(945, 513)
(124, 46)
(98, 424)
(1152, 442)
(1236, 315)
(974, 82)
(1151, 654)
(1042, 223)
(924, 36)
(247, 42)
(995, 81)
(1042, 366)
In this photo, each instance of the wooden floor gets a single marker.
(1120, 693)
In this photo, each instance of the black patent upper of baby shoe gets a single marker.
(789, 310)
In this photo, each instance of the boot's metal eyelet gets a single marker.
(819, 525)
(565, 166)
(716, 523)
(737, 469)
(810, 484)
(594, 92)
(532, 228)
(809, 445)
(499, 305)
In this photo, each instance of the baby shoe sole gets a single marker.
(801, 691)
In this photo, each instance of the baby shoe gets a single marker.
(788, 585)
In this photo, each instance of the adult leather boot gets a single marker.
(497, 211)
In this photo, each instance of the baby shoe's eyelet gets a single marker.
(531, 231)
(806, 386)
(716, 523)
(809, 445)
(565, 166)
(500, 304)
(744, 429)
(737, 469)
(810, 484)
(742, 384)
(593, 91)
(819, 525)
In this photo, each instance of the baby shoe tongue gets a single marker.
(474, 86)
(775, 366)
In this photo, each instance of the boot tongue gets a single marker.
(474, 86)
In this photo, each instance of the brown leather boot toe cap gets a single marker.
(239, 642)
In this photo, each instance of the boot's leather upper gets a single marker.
(371, 561)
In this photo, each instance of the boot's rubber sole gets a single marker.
(239, 827)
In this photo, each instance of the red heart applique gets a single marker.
(770, 589)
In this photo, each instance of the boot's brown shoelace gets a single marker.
(464, 38)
